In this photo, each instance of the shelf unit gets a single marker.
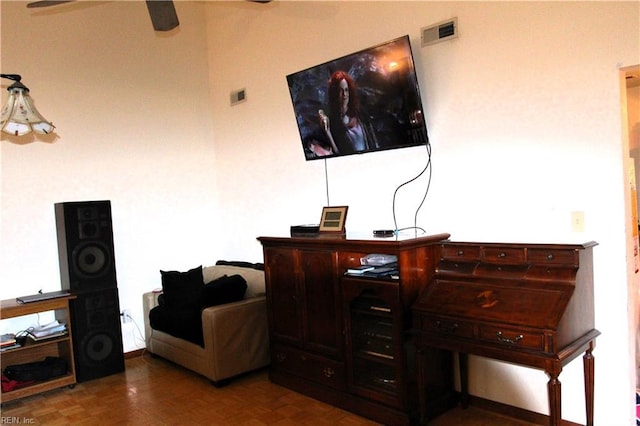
(374, 338)
(37, 351)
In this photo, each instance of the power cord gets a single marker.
(140, 336)
(428, 167)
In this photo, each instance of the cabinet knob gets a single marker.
(550, 256)
(328, 372)
(281, 357)
(502, 255)
(447, 328)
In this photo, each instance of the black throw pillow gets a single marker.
(182, 290)
(225, 289)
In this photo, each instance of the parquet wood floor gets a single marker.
(156, 392)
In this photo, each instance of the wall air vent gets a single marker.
(238, 96)
(441, 31)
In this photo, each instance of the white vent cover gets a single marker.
(441, 31)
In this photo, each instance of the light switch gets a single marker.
(577, 221)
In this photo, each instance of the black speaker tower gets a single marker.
(87, 269)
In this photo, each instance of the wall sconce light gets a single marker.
(19, 116)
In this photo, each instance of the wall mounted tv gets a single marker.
(363, 102)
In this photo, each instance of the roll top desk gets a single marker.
(528, 304)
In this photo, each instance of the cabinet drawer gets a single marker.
(512, 337)
(500, 270)
(445, 326)
(556, 274)
(460, 252)
(456, 267)
(309, 366)
(504, 255)
(553, 257)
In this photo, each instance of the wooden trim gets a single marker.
(135, 354)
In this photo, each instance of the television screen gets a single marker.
(363, 102)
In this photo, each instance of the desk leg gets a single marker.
(422, 394)
(588, 364)
(554, 389)
(463, 362)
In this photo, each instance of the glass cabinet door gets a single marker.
(373, 338)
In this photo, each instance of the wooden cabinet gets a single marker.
(529, 304)
(305, 322)
(344, 339)
(37, 351)
(307, 315)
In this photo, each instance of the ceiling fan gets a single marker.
(162, 12)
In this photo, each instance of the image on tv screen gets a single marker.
(362, 102)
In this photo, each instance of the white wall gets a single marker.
(134, 126)
(524, 115)
(523, 111)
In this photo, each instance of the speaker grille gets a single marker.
(85, 246)
(97, 335)
(98, 347)
(91, 260)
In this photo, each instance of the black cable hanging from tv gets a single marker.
(429, 167)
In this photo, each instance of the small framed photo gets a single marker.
(333, 219)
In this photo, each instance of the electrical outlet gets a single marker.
(577, 221)
(126, 316)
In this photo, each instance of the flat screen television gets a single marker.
(362, 102)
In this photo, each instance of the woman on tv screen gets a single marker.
(344, 129)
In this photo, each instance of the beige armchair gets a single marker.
(236, 338)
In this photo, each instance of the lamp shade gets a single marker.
(19, 116)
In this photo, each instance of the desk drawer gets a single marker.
(552, 273)
(456, 267)
(504, 255)
(460, 252)
(553, 257)
(445, 326)
(512, 337)
(309, 366)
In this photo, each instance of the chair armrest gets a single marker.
(238, 334)
(231, 318)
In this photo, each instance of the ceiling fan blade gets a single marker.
(163, 15)
(46, 3)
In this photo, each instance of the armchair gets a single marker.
(235, 335)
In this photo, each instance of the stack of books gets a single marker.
(389, 270)
(48, 331)
(8, 341)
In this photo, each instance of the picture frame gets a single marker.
(333, 219)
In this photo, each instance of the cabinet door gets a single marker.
(322, 316)
(282, 277)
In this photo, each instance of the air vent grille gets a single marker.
(441, 31)
(238, 96)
